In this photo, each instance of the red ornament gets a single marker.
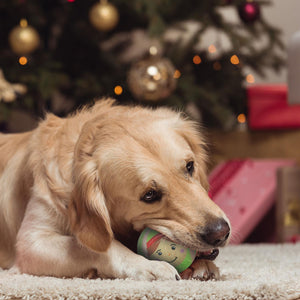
(249, 12)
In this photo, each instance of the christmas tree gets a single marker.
(69, 52)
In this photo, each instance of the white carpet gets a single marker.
(247, 272)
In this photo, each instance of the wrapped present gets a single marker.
(245, 190)
(268, 108)
(288, 204)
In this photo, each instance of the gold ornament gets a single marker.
(152, 79)
(24, 39)
(9, 91)
(104, 16)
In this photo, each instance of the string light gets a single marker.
(153, 50)
(217, 66)
(250, 78)
(177, 74)
(234, 60)
(23, 60)
(23, 23)
(152, 70)
(197, 60)
(241, 118)
(157, 76)
(212, 49)
(118, 90)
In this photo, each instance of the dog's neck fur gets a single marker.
(129, 239)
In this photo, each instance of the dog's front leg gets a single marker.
(54, 255)
(42, 249)
(120, 262)
(202, 270)
(61, 256)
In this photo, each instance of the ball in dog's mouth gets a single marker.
(209, 255)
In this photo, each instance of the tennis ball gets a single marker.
(155, 246)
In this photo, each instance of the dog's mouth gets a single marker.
(209, 255)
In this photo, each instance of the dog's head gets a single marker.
(137, 168)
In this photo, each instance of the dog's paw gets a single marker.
(201, 270)
(14, 270)
(154, 270)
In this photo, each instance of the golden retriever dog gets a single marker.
(76, 192)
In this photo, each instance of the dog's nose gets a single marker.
(216, 233)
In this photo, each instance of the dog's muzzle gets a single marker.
(216, 233)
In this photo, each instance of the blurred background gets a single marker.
(231, 65)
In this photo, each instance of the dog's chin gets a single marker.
(208, 255)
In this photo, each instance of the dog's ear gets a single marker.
(89, 216)
(190, 131)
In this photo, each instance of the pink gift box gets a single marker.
(245, 190)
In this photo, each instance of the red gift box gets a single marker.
(268, 108)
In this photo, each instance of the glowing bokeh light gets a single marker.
(250, 78)
(23, 60)
(177, 74)
(118, 90)
(241, 118)
(197, 60)
(234, 60)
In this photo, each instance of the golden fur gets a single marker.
(70, 192)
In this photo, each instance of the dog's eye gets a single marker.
(151, 196)
(190, 167)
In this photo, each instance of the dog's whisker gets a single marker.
(235, 235)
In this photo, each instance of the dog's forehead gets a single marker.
(167, 141)
(161, 140)
(143, 155)
(161, 150)
(148, 151)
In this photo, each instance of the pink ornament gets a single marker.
(249, 11)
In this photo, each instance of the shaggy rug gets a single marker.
(247, 272)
